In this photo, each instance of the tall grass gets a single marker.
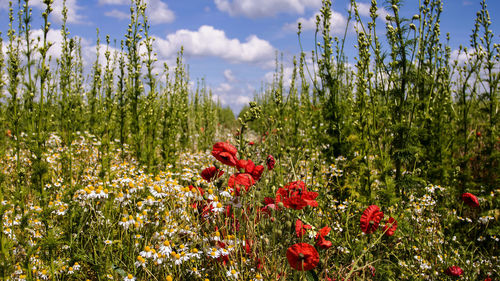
(101, 173)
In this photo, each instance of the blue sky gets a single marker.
(232, 43)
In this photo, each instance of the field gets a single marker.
(384, 170)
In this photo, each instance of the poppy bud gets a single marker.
(270, 162)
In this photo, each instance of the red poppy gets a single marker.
(478, 133)
(323, 232)
(323, 243)
(454, 271)
(251, 143)
(257, 172)
(295, 203)
(239, 181)
(294, 195)
(302, 257)
(470, 200)
(211, 173)
(268, 201)
(301, 228)
(250, 168)
(390, 227)
(225, 153)
(270, 162)
(320, 237)
(370, 219)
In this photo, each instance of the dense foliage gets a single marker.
(386, 170)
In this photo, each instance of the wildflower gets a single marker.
(240, 180)
(302, 257)
(454, 271)
(270, 162)
(323, 243)
(301, 228)
(211, 173)
(470, 200)
(129, 277)
(294, 195)
(232, 274)
(258, 277)
(320, 237)
(370, 219)
(390, 227)
(225, 153)
(250, 168)
(140, 262)
(323, 232)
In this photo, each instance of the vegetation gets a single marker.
(384, 171)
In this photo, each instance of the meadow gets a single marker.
(383, 170)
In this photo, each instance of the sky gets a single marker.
(232, 44)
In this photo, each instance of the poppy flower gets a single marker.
(302, 257)
(225, 153)
(390, 226)
(323, 243)
(257, 172)
(470, 200)
(294, 195)
(211, 173)
(454, 271)
(270, 162)
(239, 181)
(251, 143)
(320, 237)
(250, 168)
(323, 232)
(301, 228)
(8, 133)
(370, 219)
(300, 201)
(290, 190)
(295, 203)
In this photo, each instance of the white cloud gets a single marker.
(242, 100)
(73, 9)
(229, 76)
(462, 56)
(157, 10)
(265, 8)
(364, 10)
(208, 41)
(117, 14)
(338, 23)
